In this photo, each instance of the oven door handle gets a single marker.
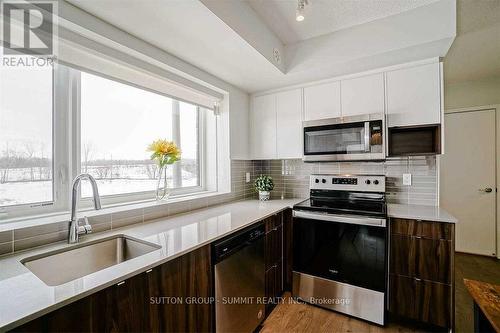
(369, 221)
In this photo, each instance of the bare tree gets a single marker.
(152, 170)
(103, 171)
(111, 167)
(29, 151)
(41, 165)
(88, 149)
(6, 164)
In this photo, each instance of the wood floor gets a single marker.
(296, 317)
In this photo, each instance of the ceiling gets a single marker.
(326, 16)
(475, 53)
(232, 41)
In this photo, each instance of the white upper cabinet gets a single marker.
(363, 95)
(289, 124)
(409, 96)
(322, 101)
(414, 96)
(263, 127)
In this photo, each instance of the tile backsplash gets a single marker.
(291, 177)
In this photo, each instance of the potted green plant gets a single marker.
(264, 185)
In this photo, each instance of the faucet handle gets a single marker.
(86, 228)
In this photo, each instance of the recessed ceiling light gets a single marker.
(299, 14)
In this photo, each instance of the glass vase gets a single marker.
(162, 190)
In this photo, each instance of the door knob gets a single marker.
(486, 190)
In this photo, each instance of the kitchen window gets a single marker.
(118, 121)
(26, 163)
(78, 121)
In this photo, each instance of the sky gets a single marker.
(117, 120)
(122, 120)
(26, 109)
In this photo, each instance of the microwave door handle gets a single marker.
(367, 136)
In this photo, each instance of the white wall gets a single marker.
(472, 93)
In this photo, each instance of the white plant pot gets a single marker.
(264, 195)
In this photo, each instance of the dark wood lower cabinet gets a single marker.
(427, 259)
(75, 317)
(273, 240)
(160, 300)
(433, 296)
(420, 300)
(274, 250)
(419, 228)
(188, 278)
(120, 308)
(287, 249)
(434, 262)
(421, 281)
(274, 286)
(402, 293)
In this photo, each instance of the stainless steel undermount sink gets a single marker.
(64, 265)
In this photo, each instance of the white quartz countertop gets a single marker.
(420, 212)
(24, 297)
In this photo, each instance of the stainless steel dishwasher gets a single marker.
(240, 281)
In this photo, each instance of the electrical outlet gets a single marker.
(247, 177)
(407, 179)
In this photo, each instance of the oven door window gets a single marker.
(352, 138)
(348, 253)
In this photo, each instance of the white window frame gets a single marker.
(66, 152)
(124, 198)
(60, 149)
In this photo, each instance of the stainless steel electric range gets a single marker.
(340, 245)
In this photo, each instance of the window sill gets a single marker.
(38, 220)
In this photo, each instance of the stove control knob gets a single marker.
(323, 181)
(367, 182)
(375, 182)
(316, 180)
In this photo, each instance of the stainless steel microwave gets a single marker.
(355, 138)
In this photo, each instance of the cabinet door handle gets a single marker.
(120, 283)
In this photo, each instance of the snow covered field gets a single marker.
(132, 179)
(25, 192)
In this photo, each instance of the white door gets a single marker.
(362, 95)
(414, 95)
(263, 127)
(322, 101)
(467, 173)
(289, 124)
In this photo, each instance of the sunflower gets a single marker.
(164, 152)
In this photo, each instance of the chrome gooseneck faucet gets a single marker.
(75, 229)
